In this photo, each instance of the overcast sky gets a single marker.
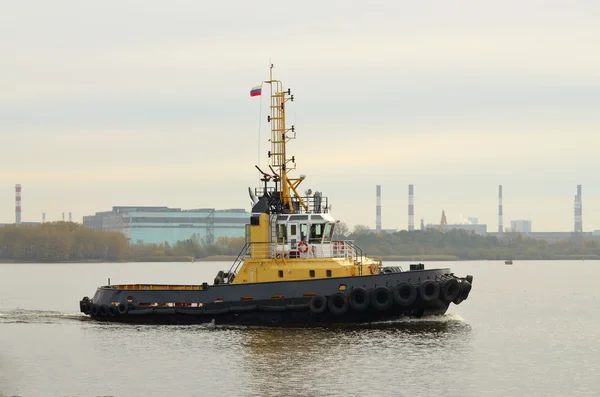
(147, 103)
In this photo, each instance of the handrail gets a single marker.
(285, 250)
(240, 258)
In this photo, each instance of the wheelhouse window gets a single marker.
(316, 233)
(328, 233)
(304, 232)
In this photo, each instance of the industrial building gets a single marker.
(520, 226)
(475, 228)
(163, 224)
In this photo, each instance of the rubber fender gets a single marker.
(338, 303)
(86, 299)
(469, 278)
(122, 308)
(84, 307)
(450, 289)
(405, 294)
(94, 310)
(381, 298)
(244, 308)
(465, 288)
(168, 310)
(359, 299)
(301, 306)
(272, 308)
(141, 312)
(222, 310)
(429, 291)
(103, 310)
(317, 304)
(190, 312)
(112, 310)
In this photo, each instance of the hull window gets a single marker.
(311, 273)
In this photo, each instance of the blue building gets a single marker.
(164, 224)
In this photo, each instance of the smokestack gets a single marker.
(17, 204)
(63, 216)
(411, 209)
(500, 226)
(578, 221)
(422, 224)
(43, 217)
(70, 217)
(378, 210)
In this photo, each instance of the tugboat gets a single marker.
(291, 271)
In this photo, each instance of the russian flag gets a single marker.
(256, 91)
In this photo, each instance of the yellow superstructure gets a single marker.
(290, 236)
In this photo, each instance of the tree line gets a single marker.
(465, 245)
(68, 241)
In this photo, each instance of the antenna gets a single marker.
(279, 161)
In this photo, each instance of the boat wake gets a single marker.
(23, 316)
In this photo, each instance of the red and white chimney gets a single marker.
(17, 204)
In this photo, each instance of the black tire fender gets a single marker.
(381, 298)
(317, 304)
(405, 294)
(122, 308)
(429, 291)
(84, 307)
(450, 289)
(104, 310)
(465, 288)
(338, 303)
(358, 298)
(112, 310)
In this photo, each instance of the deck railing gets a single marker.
(345, 249)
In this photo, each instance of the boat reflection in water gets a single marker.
(315, 361)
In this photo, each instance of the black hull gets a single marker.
(316, 302)
(265, 314)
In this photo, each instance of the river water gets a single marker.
(530, 329)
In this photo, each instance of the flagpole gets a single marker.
(259, 123)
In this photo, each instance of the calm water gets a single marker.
(530, 329)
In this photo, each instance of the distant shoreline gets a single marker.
(213, 258)
(388, 258)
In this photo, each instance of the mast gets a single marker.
(279, 139)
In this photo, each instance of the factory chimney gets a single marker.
(578, 221)
(70, 217)
(17, 204)
(63, 216)
(411, 209)
(500, 226)
(43, 217)
(378, 210)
